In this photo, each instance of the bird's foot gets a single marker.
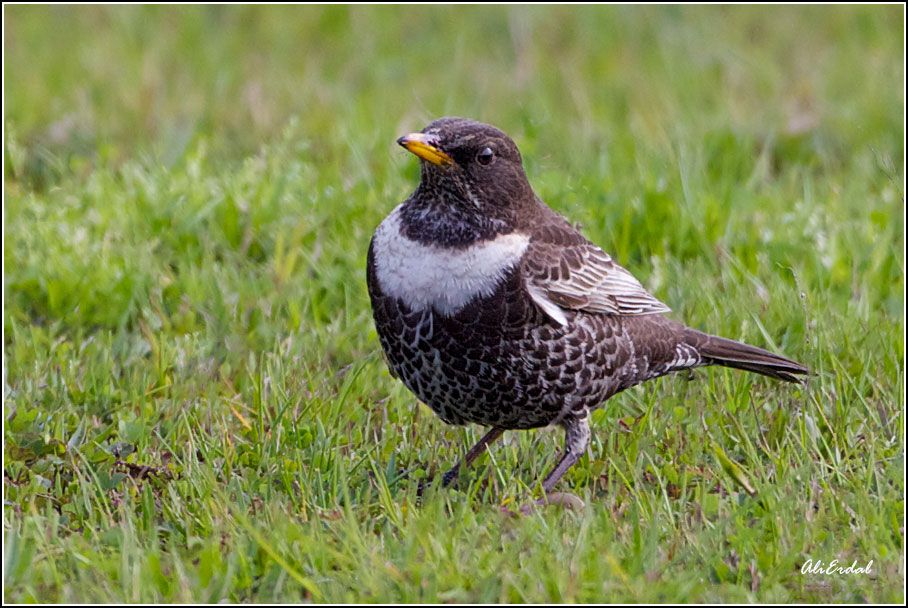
(565, 499)
(421, 486)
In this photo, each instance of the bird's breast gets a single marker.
(444, 278)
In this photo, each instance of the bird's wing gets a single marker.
(563, 270)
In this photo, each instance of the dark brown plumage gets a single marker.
(494, 310)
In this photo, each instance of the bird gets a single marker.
(495, 310)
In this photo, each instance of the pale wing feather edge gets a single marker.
(598, 285)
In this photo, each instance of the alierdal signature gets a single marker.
(833, 567)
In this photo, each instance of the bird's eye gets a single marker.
(485, 156)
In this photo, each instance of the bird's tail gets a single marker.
(721, 351)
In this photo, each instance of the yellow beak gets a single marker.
(423, 146)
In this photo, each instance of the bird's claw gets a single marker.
(565, 499)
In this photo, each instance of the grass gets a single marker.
(195, 404)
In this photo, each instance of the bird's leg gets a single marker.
(472, 455)
(576, 441)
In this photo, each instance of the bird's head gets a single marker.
(472, 165)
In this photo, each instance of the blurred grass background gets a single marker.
(195, 407)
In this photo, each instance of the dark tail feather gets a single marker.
(721, 351)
